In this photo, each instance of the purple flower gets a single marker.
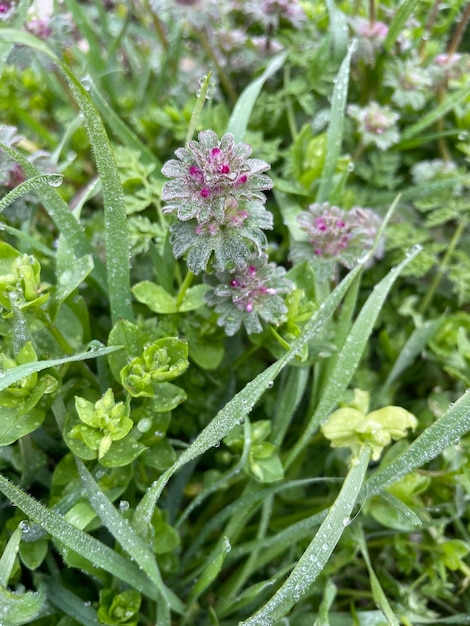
(210, 175)
(335, 236)
(376, 124)
(249, 295)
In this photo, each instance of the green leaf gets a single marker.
(155, 297)
(350, 355)
(70, 604)
(61, 215)
(8, 557)
(82, 543)
(122, 452)
(21, 608)
(37, 183)
(193, 298)
(315, 557)
(121, 529)
(402, 15)
(33, 553)
(338, 30)
(379, 596)
(11, 376)
(240, 117)
(441, 434)
(449, 102)
(14, 425)
(335, 128)
(211, 571)
(131, 339)
(242, 403)
(416, 343)
(71, 271)
(116, 233)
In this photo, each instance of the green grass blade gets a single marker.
(7, 560)
(416, 343)
(315, 557)
(29, 242)
(70, 604)
(350, 355)
(121, 130)
(449, 102)
(82, 543)
(37, 183)
(338, 30)
(62, 217)
(116, 232)
(238, 122)
(335, 129)
(12, 376)
(123, 532)
(445, 431)
(242, 403)
(404, 12)
(378, 594)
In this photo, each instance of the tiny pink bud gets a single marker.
(205, 192)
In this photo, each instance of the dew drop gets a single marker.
(24, 525)
(123, 506)
(55, 180)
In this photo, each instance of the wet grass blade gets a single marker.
(242, 110)
(116, 231)
(350, 355)
(334, 136)
(79, 541)
(444, 432)
(315, 557)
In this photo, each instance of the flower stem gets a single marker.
(459, 31)
(188, 279)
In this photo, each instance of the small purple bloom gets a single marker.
(249, 295)
(209, 173)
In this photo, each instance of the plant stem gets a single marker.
(371, 12)
(188, 279)
(454, 44)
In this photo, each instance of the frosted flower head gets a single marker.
(370, 38)
(335, 236)
(376, 124)
(196, 13)
(249, 295)
(211, 174)
(434, 169)
(410, 83)
(288, 10)
(447, 67)
(7, 9)
(227, 244)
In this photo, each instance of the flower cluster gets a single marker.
(251, 293)
(376, 124)
(370, 38)
(335, 236)
(216, 194)
(410, 83)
